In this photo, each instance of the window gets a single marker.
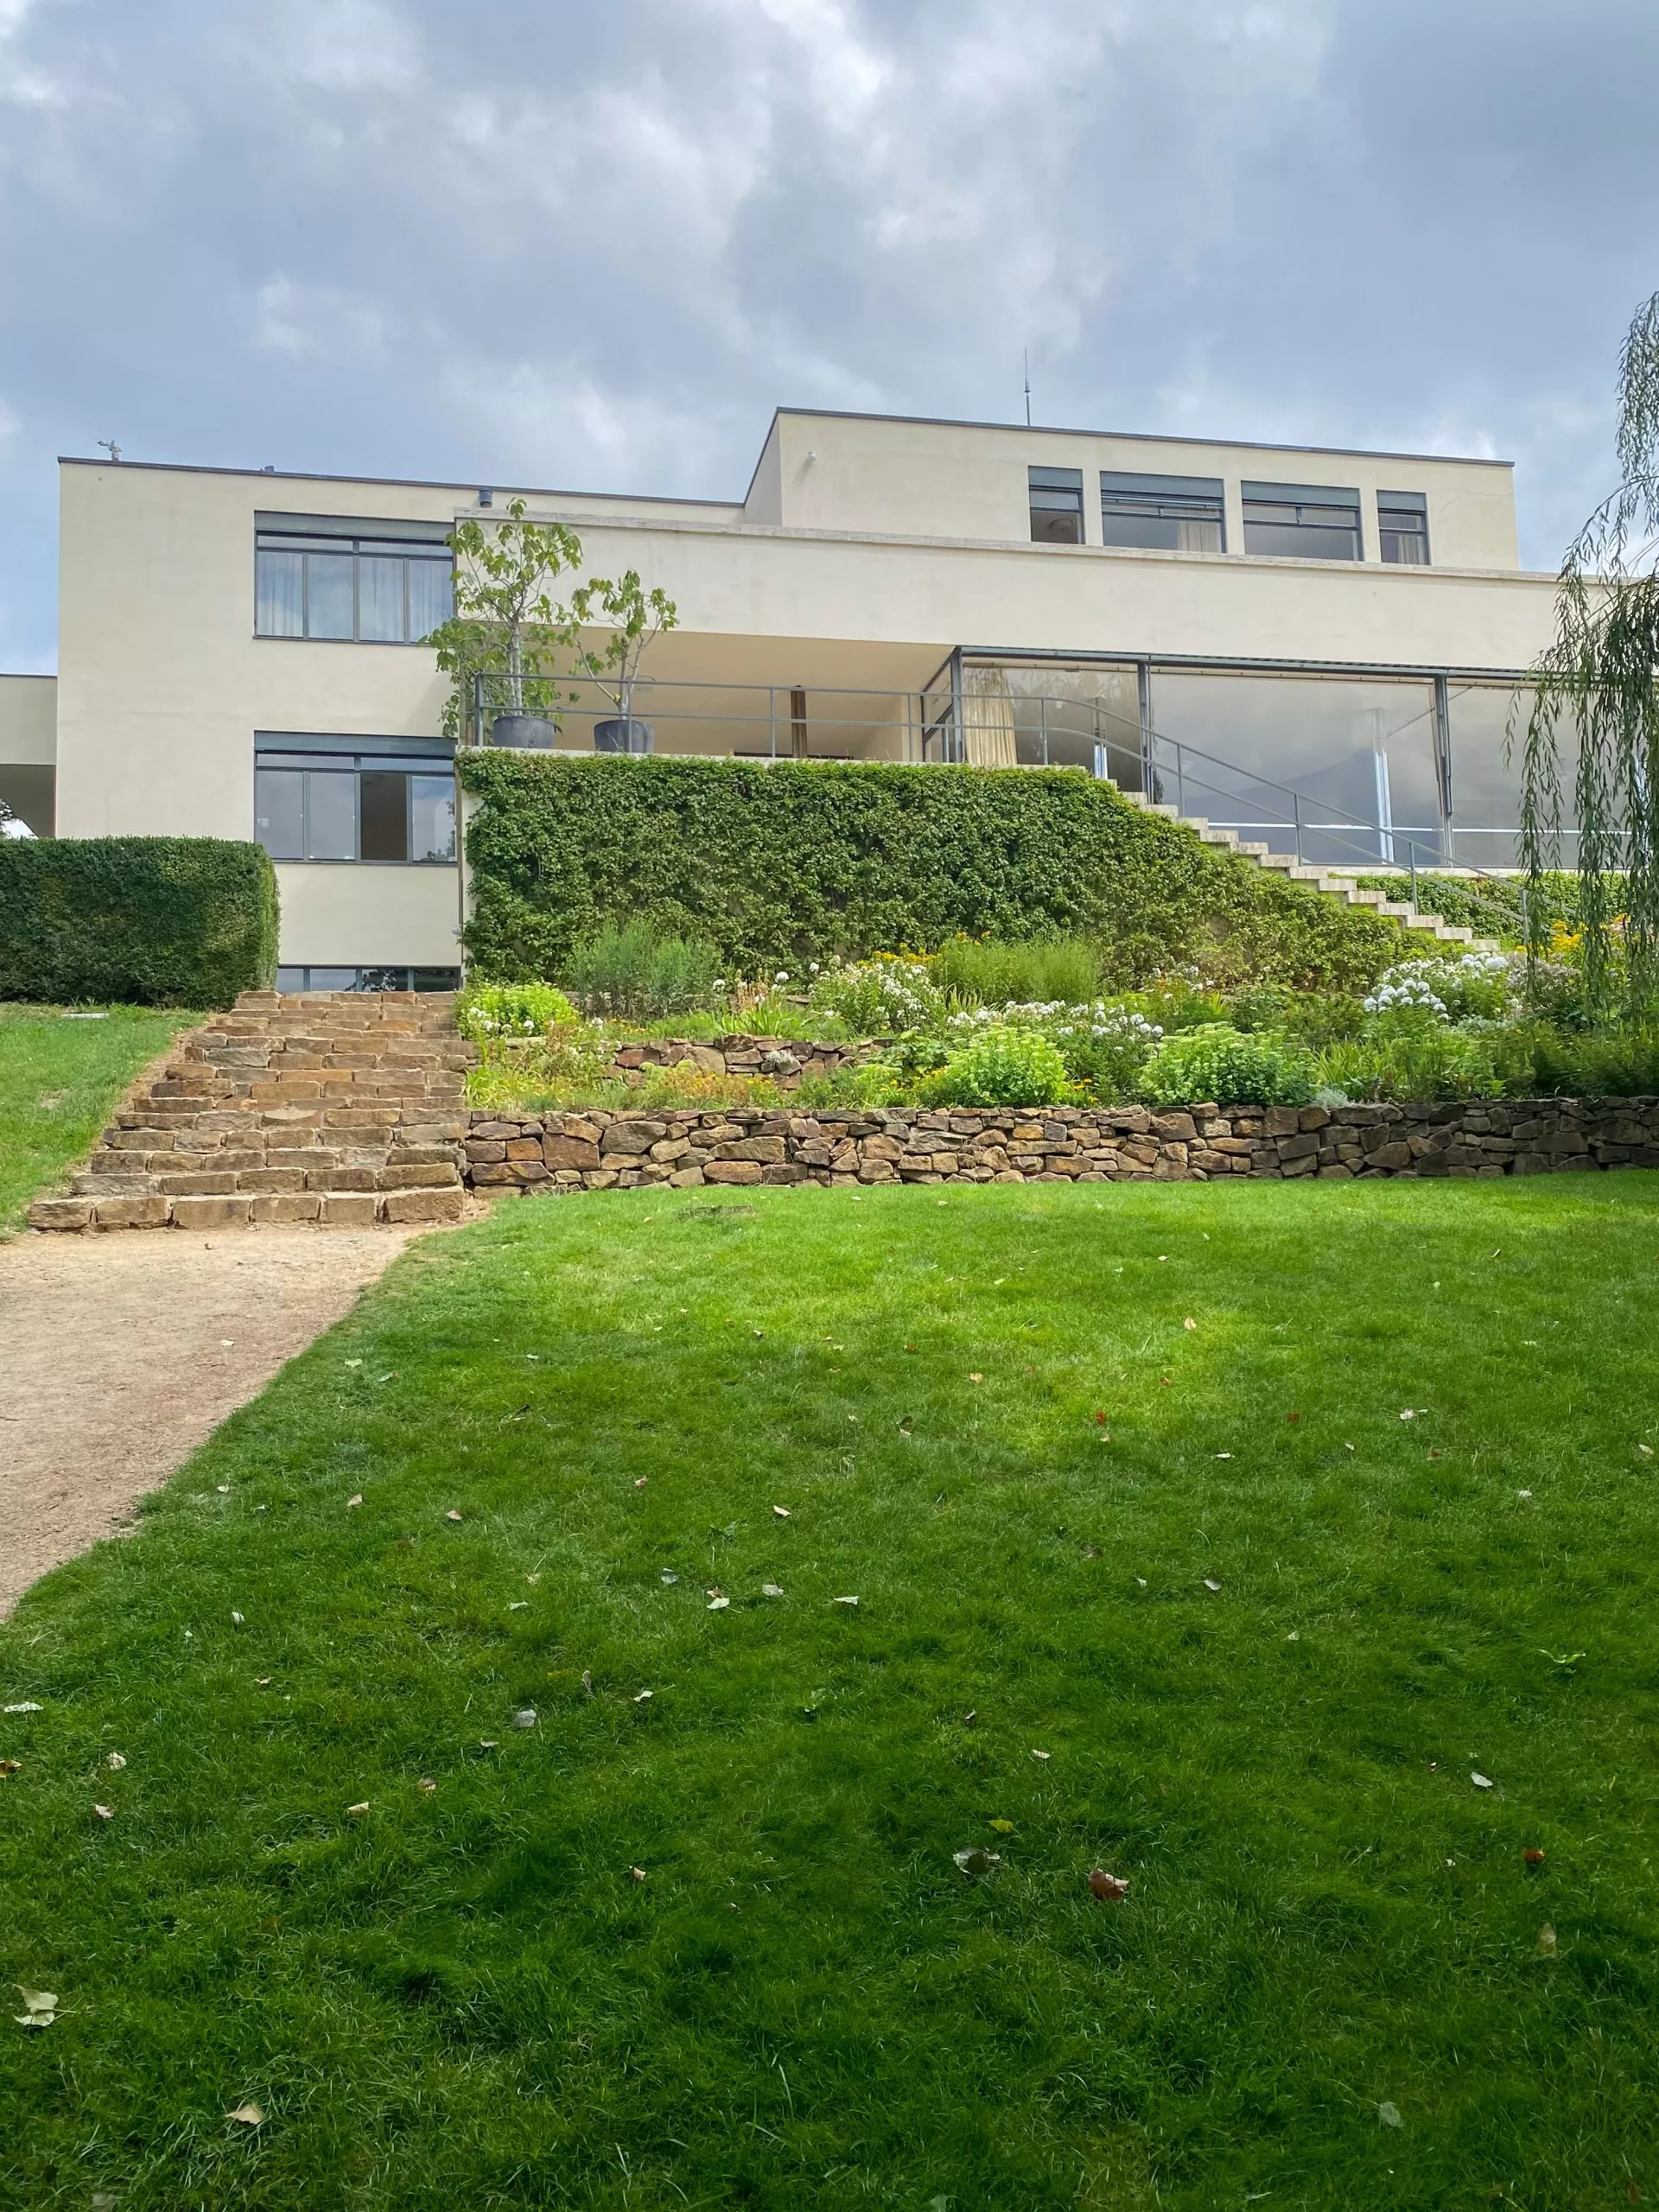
(1181, 514)
(368, 979)
(322, 576)
(1056, 497)
(1402, 525)
(1306, 522)
(312, 805)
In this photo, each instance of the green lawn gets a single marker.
(57, 1081)
(1261, 1629)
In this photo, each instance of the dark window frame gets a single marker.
(1127, 493)
(1402, 516)
(309, 536)
(278, 758)
(1056, 492)
(1314, 508)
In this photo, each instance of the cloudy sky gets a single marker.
(592, 243)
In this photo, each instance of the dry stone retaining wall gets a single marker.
(555, 1153)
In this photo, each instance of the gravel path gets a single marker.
(120, 1354)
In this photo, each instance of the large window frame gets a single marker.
(337, 803)
(339, 580)
(1169, 514)
(1302, 522)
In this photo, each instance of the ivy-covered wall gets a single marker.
(795, 862)
(145, 921)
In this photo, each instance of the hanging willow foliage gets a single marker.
(1594, 721)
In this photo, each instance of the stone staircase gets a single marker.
(1332, 881)
(340, 1108)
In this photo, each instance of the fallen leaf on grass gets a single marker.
(452, 1515)
(1209, 1584)
(356, 1812)
(771, 1589)
(10, 1766)
(1189, 1322)
(224, 1489)
(1646, 1450)
(1546, 1945)
(1389, 2115)
(638, 1872)
(426, 1785)
(1100, 1418)
(969, 1717)
(1292, 1417)
(525, 1717)
(1111, 1889)
(1224, 1455)
(780, 1512)
(1407, 1414)
(845, 1601)
(1523, 1493)
(351, 1502)
(669, 1578)
(250, 2115)
(718, 1600)
(588, 1682)
(104, 1812)
(39, 2006)
(977, 1861)
(1533, 1856)
(239, 1620)
(975, 1378)
(520, 1606)
(1003, 1827)
(639, 1481)
(1480, 1781)
(1041, 1755)
(28, 1705)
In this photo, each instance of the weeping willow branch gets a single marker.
(1593, 719)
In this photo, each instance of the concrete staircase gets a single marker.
(1332, 881)
(341, 1108)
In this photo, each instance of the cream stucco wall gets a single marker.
(342, 916)
(856, 472)
(28, 720)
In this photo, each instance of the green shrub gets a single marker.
(782, 864)
(985, 971)
(491, 1010)
(1407, 1060)
(1225, 1065)
(146, 921)
(1001, 1066)
(636, 970)
(1621, 1062)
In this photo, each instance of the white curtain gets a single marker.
(988, 719)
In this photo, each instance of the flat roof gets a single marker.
(405, 483)
(1139, 437)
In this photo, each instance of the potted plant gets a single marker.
(636, 618)
(502, 644)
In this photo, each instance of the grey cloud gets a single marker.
(595, 245)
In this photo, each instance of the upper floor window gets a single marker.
(328, 577)
(315, 805)
(1402, 526)
(1307, 522)
(1056, 506)
(1182, 514)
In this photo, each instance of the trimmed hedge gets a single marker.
(146, 921)
(794, 861)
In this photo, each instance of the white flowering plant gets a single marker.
(1465, 987)
(887, 997)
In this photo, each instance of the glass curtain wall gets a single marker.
(1348, 767)
(1486, 788)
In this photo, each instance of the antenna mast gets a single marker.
(1028, 387)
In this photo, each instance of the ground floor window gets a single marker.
(368, 979)
(346, 799)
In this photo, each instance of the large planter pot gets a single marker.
(623, 735)
(534, 731)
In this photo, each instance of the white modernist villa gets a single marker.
(1302, 643)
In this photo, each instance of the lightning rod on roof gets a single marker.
(1028, 387)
